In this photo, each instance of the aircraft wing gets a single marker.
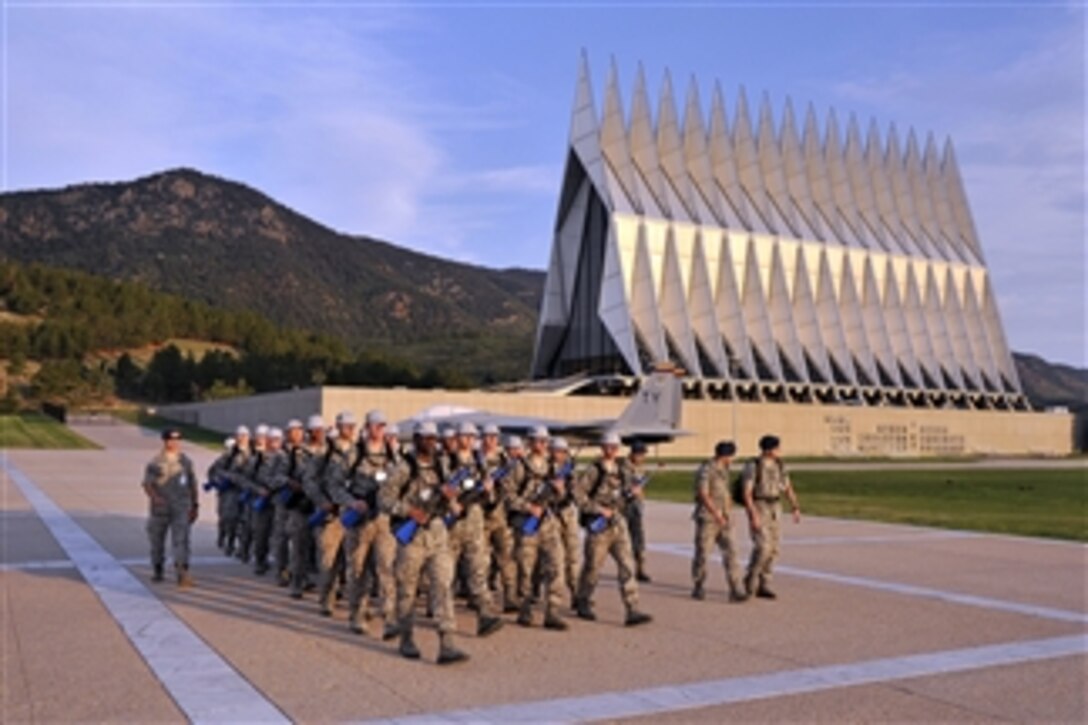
(508, 424)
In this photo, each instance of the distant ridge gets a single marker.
(222, 242)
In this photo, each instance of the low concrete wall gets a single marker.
(810, 430)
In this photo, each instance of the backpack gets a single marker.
(736, 486)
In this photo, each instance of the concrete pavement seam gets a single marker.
(971, 600)
(713, 693)
(202, 684)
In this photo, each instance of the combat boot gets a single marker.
(585, 611)
(390, 632)
(738, 595)
(356, 624)
(525, 616)
(408, 647)
(156, 575)
(185, 580)
(764, 592)
(487, 625)
(635, 618)
(447, 652)
(641, 574)
(698, 592)
(553, 622)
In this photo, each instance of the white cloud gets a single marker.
(311, 108)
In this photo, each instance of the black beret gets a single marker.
(768, 443)
(725, 448)
(171, 434)
(638, 447)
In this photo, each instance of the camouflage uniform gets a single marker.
(544, 548)
(633, 511)
(171, 477)
(267, 476)
(466, 533)
(767, 480)
(368, 472)
(500, 538)
(427, 549)
(602, 485)
(230, 503)
(328, 536)
(298, 509)
(215, 475)
(571, 535)
(713, 481)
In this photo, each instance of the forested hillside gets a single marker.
(223, 243)
(73, 338)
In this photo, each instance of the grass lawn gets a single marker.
(192, 433)
(34, 430)
(1049, 503)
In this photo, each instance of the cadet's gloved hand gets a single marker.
(193, 513)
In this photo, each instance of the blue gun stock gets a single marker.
(406, 532)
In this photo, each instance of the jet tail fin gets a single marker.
(656, 406)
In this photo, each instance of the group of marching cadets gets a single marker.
(509, 524)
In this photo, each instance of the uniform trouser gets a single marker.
(544, 548)
(280, 541)
(262, 522)
(633, 513)
(764, 544)
(372, 538)
(172, 516)
(468, 540)
(244, 529)
(301, 548)
(328, 539)
(708, 534)
(500, 540)
(616, 541)
(228, 517)
(428, 550)
(572, 547)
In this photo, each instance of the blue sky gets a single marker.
(443, 126)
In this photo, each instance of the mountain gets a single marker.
(222, 242)
(1052, 384)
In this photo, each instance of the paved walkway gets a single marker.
(874, 622)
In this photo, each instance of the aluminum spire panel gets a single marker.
(807, 323)
(703, 190)
(757, 319)
(728, 307)
(810, 255)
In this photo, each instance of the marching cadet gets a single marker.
(634, 469)
(280, 498)
(328, 531)
(563, 467)
(217, 481)
(600, 492)
(712, 523)
(392, 442)
(500, 539)
(373, 466)
(417, 511)
(534, 497)
(234, 482)
(248, 479)
(764, 482)
(171, 489)
(449, 444)
(298, 505)
(267, 478)
(467, 540)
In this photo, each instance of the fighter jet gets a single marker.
(652, 416)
